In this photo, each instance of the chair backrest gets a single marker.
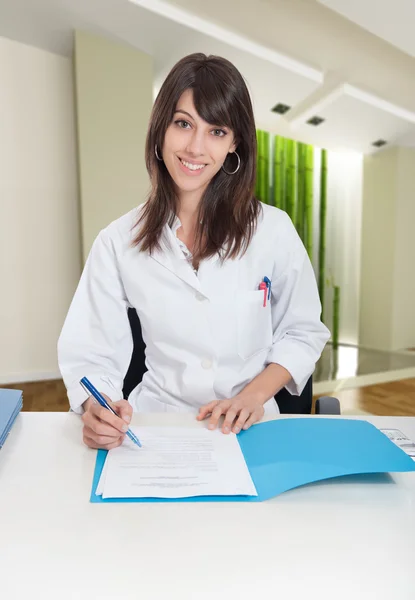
(137, 366)
(287, 403)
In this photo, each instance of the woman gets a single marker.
(222, 285)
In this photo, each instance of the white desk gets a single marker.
(329, 541)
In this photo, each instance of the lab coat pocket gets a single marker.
(254, 323)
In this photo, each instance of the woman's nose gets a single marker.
(196, 145)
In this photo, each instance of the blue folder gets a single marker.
(11, 402)
(288, 453)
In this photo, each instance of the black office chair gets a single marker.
(287, 403)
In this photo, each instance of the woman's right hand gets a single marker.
(102, 429)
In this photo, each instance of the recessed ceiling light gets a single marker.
(280, 108)
(315, 121)
(379, 143)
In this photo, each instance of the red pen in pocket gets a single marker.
(263, 286)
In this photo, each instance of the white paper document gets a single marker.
(176, 463)
(401, 440)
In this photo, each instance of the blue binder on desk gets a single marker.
(288, 453)
(11, 402)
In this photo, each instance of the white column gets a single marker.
(387, 317)
(114, 96)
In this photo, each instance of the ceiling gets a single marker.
(354, 117)
(391, 20)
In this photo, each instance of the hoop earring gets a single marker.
(237, 168)
(156, 152)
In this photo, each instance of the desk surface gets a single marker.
(332, 540)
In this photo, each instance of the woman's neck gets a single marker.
(188, 210)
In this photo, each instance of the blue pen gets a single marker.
(87, 385)
(268, 284)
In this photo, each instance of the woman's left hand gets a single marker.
(240, 412)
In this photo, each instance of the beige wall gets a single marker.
(404, 285)
(114, 95)
(39, 224)
(387, 319)
(378, 249)
(40, 233)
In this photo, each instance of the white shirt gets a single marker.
(207, 335)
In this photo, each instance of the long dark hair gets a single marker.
(228, 210)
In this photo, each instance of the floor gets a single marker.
(42, 395)
(393, 398)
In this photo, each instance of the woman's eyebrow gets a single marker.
(179, 110)
(184, 112)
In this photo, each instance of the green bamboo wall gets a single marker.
(285, 179)
(322, 230)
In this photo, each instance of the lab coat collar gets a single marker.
(176, 225)
(172, 258)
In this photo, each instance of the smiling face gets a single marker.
(194, 150)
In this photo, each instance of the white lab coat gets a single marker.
(207, 335)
